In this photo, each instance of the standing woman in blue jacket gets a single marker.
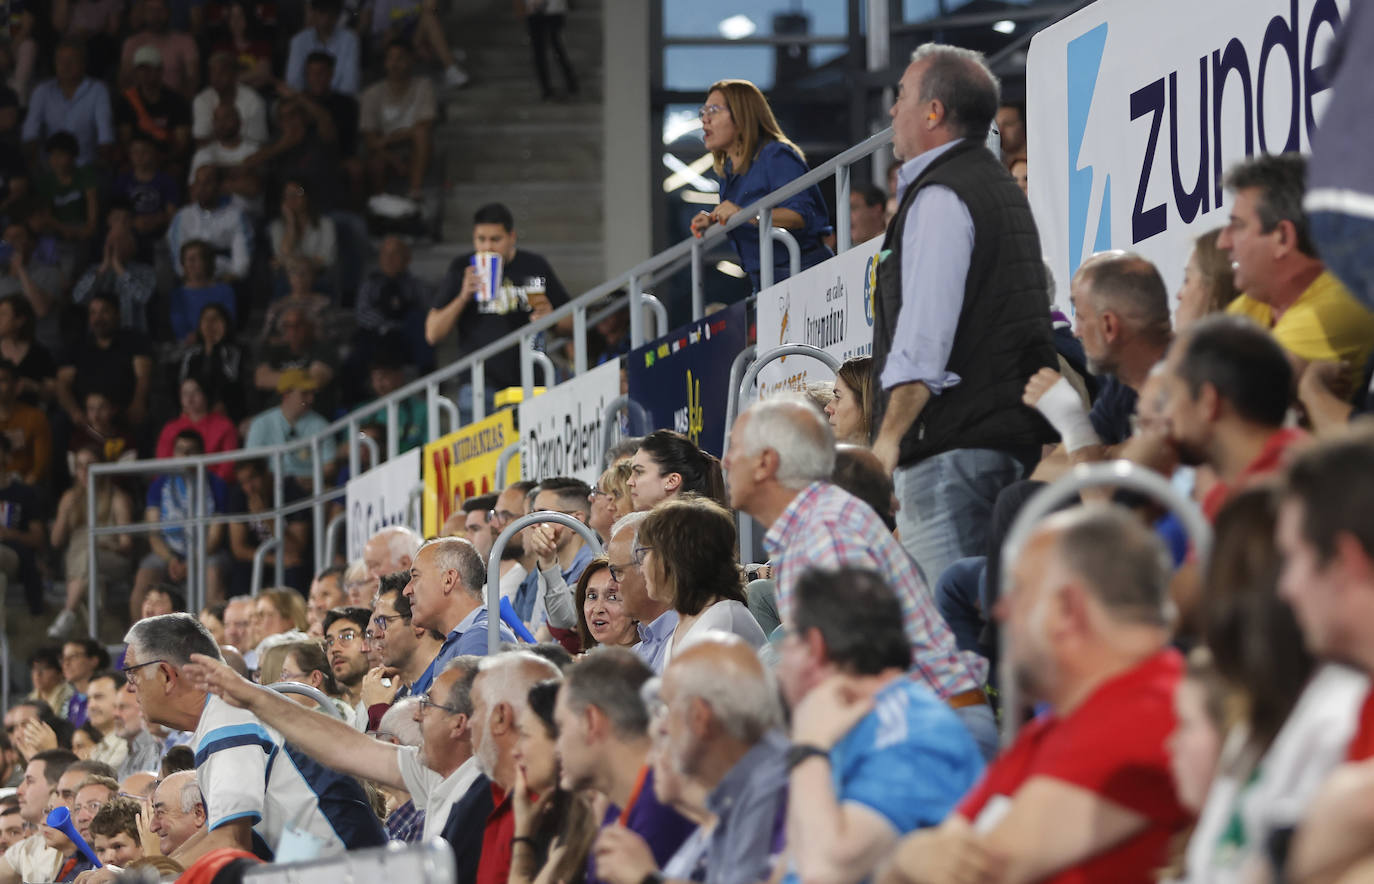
(753, 158)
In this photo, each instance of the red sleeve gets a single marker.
(1118, 751)
(1362, 744)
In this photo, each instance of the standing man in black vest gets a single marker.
(960, 314)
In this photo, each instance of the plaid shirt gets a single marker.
(406, 823)
(826, 527)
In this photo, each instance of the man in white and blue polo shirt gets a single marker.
(258, 789)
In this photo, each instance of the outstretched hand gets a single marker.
(216, 677)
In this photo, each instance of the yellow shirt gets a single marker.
(1325, 324)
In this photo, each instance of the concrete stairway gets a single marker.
(500, 142)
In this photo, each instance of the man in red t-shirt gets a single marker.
(1326, 537)
(1084, 794)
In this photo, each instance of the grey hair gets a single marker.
(1281, 180)
(189, 795)
(800, 435)
(355, 571)
(511, 674)
(400, 721)
(460, 695)
(458, 554)
(747, 707)
(629, 520)
(1124, 563)
(172, 638)
(610, 679)
(961, 80)
(402, 541)
(1130, 286)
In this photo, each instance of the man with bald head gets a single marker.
(1121, 314)
(654, 619)
(1086, 617)
(390, 550)
(717, 722)
(178, 810)
(778, 468)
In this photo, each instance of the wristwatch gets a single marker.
(800, 752)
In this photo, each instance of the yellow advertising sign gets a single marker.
(463, 464)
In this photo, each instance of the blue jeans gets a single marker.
(465, 410)
(982, 726)
(946, 504)
(1346, 243)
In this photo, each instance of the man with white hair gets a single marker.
(178, 810)
(716, 719)
(781, 456)
(390, 550)
(654, 619)
(445, 592)
(499, 693)
(253, 782)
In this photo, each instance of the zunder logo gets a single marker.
(1084, 64)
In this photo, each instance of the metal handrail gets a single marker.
(331, 546)
(503, 463)
(784, 236)
(609, 422)
(1113, 474)
(636, 279)
(259, 556)
(751, 375)
(327, 706)
(494, 563)
(660, 312)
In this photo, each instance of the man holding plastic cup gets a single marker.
(487, 294)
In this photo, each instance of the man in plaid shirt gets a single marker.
(778, 466)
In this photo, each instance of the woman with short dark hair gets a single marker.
(686, 548)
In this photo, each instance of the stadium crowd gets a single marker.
(671, 712)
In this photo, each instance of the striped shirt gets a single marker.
(827, 527)
(246, 771)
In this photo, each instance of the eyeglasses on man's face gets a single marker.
(130, 670)
(425, 703)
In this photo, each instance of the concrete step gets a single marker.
(574, 204)
(475, 107)
(524, 141)
(496, 171)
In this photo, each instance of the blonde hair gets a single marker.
(289, 604)
(754, 123)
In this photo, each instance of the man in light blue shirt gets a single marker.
(323, 34)
(960, 314)
(445, 592)
(71, 102)
(293, 421)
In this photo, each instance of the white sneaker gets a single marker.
(64, 625)
(455, 77)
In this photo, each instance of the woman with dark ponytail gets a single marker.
(668, 464)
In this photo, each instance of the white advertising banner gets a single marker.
(1137, 110)
(561, 430)
(829, 306)
(380, 498)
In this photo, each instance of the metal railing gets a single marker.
(494, 562)
(689, 252)
(1113, 474)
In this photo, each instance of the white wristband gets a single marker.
(1064, 410)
